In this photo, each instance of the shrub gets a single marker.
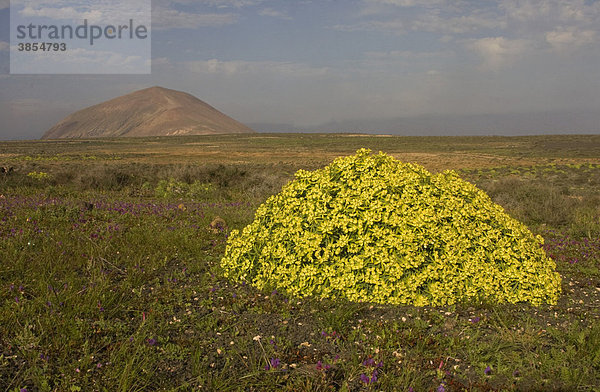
(532, 202)
(39, 175)
(174, 188)
(586, 222)
(370, 228)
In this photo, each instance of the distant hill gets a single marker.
(154, 111)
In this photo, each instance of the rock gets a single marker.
(218, 225)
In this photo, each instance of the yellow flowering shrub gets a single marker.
(371, 228)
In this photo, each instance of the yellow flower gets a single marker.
(370, 228)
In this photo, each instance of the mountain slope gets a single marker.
(154, 111)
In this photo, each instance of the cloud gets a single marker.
(219, 3)
(564, 38)
(64, 13)
(110, 59)
(165, 18)
(77, 59)
(95, 12)
(240, 67)
(525, 10)
(394, 26)
(557, 23)
(433, 23)
(274, 13)
(401, 54)
(161, 62)
(457, 25)
(408, 3)
(387, 68)
(434, 16)
(535, 13)
(4, 46)
(410, 7)
(410, 62)
(232, 3)
(499, 52)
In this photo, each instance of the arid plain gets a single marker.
(110, 276)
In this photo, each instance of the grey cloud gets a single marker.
(408, 3)
(166, 18)
(96, 12)
(274, 13)
(457, 25)
(498, 52)
(214, 3)
(263, 68)
(565, 38)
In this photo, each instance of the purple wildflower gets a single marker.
(151, 342)
(488, 371)
(369, 362)
(364, 378)
(441, 388)
(275, 362)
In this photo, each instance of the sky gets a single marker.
(441, 67)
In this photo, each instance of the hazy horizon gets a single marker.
(431, 67)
